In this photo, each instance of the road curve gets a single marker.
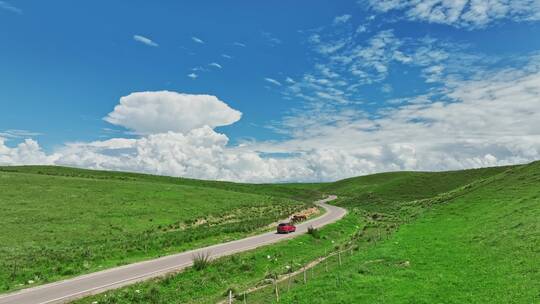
(70, 289)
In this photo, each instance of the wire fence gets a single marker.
(274, 287)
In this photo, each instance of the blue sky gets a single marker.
(301, 91)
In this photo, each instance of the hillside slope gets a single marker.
(276, 190)
(477, 244)
(59, 222)
(387, 188)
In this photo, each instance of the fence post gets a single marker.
(339, 257)
(230, 296)
(245, 298)
(305, 278)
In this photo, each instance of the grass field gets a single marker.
(59, 222)
(477, 244)
(467, 236)
(237, 272)
(400, 201)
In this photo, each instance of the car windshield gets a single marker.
(283, 224)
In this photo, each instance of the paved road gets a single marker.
(63, 291)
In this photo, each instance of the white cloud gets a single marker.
(386, 88)
(8, 7)
(145, 40)
(290, 80)
(197, 40)
(26, 153)
(215, 65)
(163, 111)
(462, 13)
(273, 81)
(193, 75)
(490, 120)
(342, 19)
(14, 133)
(226, 56)
(271, 39)
(361, 29)
(239, 44)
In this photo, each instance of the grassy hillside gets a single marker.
(59, 222)
(366, 227)
(477, 244)
(277, 190)
(450, 237)
(383, 189)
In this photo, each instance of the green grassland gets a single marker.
(468, 236)
(237, 272)
(59, 222)
(398, 200)
(380, 190)
(479, 243)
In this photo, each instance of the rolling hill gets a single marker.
(479, 243)
(59, 222)
(419, 237)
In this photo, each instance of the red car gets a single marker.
(286, 228)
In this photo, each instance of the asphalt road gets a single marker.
(64, 291)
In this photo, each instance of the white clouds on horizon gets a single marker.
(145, 40)
(470, 14)
(491, 120)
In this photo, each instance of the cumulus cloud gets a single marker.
(163, 111)
(462, 13)
(200, 153)
(145, 40)
(26, 153)
(215, 65)
(492, 119)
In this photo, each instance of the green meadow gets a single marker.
(60, 222)
(467, 236)
(478, 243)
(470, 236)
